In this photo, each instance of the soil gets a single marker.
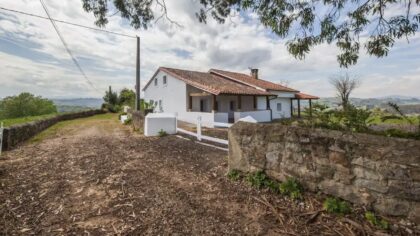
(97, 177)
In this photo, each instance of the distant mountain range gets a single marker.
(374, 102)
(407, 104)
(77, 104)
(81, 102)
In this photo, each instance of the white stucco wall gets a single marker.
(172, 95)
(175, 100)
(285, 108)
(284, 99)
(259, 116)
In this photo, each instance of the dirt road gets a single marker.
(94, 176)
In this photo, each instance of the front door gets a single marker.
(231, 112)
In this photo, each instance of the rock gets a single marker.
(392, 206)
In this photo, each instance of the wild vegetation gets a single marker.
(25, 105)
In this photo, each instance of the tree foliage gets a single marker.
(305, 23)
(127, 97)
(25, 104)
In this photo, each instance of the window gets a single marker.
(156, 81)
(164, 79)
(160, 105)
(279, 106)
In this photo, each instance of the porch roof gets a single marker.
(305, 96)
(212, 83)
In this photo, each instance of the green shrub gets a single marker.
(256, 179)
(234, 175)
(162, 133)
(334, 205)
(292, 188)
(374, 220)
(128, 121)
(272, 185)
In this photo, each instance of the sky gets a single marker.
(33, 59)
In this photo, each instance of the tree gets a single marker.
(111, 97)
(111, 101)
(305, 23)
(344, 86)
(25, 104)
(127, 98)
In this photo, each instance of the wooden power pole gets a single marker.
(138, 75)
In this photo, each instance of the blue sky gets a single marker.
(33, 59)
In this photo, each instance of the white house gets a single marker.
(219, 96)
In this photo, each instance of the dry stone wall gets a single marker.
(19, 133)
(370, 170)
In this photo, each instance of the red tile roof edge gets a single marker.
(305, 96)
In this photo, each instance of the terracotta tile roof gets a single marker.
(305, 96)
(211, 83)
(247, 79)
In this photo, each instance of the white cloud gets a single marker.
(235, 45)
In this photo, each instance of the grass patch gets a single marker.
(234, 175)
(376, 221)
(162, 133)
(336, 206)
(67, 126)
(292, 188)
(27, 119)
(256, 179)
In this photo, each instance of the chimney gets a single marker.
(254, 73)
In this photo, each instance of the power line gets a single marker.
(68, 23)
(66, 46)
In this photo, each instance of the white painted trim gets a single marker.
(205, 144)
(208, 138)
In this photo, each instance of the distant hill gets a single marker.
(409, 104)
(82, 102)
(77, 104)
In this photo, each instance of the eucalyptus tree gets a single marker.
(374, 25)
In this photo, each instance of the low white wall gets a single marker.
(221, 117)
(154, 123)
(260, 116)
(207, 118)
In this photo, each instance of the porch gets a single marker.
(227, 108)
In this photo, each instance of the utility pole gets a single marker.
(138, 76)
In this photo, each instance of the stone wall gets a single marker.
(137, 120)
(17, 134)
(370, 170)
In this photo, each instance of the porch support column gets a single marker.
(190, 98)
(214, 103)
(239, 102)
(298, 108)
(291, 107)
(255, 102)
(310, 107)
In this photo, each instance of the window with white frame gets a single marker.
(156, 81)
(160, 105)
(279, 106)
(164, 79)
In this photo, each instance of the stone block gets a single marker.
(272, 160)
(338, 158)
(376, 186)
(363, 173)
(392, 206)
